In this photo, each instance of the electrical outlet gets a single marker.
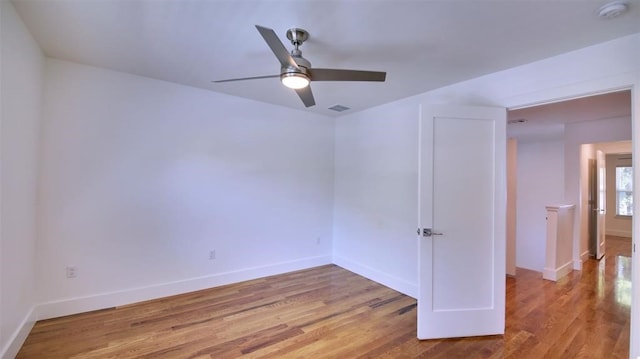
(212, 254)
(72, 271)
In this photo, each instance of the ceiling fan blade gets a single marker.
(306, 96)
(346, 75)
(248, 78)
(277, 47)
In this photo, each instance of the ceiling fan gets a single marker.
(296, 71)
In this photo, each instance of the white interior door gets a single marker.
(601, 203)
(462, 202)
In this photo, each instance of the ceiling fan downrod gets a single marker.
(297, 36)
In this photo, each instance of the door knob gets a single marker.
(428, 232)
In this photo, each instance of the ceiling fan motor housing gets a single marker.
(297, 36)
(302, 71)
(303, 64)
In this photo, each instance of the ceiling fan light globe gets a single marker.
(294, 81)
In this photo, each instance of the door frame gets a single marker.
(630, 81)
(615, 147)
(601, 200)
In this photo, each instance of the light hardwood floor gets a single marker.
(328, 312)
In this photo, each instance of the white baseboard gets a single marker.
(617, 233)
(113, 299)
(577, 264)
(19, 336)
(400, 285)
(557, 273)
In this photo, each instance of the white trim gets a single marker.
(618, 233)
(395, 283)
(113, 299)
(569, 98)
(584, 256)
(634, 346)
(577, 264)
(19, 336)
(624, 216)
(569, 91)
(557, 273)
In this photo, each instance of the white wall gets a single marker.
(540, 184)
(615, 225)
(141, 179)
(376, 187)
(21, 92)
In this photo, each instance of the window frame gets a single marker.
(619, 191)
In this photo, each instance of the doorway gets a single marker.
(552, 170)
(553, 145)
(607, 192)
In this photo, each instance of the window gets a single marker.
(624, 191)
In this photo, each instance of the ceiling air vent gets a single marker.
(338, 108)
(517, 120)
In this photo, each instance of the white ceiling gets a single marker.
(422, 45)
(546, 122)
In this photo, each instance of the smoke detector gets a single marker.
(613, 9)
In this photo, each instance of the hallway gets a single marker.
(585, 314)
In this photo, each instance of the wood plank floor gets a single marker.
(328, 312)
